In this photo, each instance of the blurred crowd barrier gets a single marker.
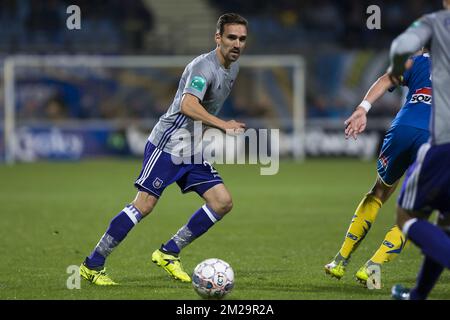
(76, 112)
(335, 83)
(108, 26)
(159, 26)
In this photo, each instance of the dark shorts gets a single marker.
(399, 151)
(159, 171)
(427, 183)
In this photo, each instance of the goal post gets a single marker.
(12, 64)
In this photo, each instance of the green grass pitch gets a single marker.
(283, 229)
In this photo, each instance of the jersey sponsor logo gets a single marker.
(422, 95)
(198, 83)
(157, 183)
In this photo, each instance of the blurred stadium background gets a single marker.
(96, 111)
(78, 108)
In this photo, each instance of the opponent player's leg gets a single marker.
(368, 208)
(395, 159)
(393, 243)
(360, 225)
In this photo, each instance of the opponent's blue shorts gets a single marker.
(159, 171)
(399, 151)
(427, 183)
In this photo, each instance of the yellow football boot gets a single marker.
(362, 275)
(99, 278)
(171, 264)
(370, 276)
(335, 269)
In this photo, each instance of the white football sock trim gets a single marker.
(209, 213)
(408, 225)
(130, 215)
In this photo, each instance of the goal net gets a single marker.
(71, 107)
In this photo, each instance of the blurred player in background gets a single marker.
(408, 131)
(204, 86)
(427, 183)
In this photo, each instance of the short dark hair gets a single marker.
(230, 18)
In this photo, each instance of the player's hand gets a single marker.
(356, 123)
(233, 127)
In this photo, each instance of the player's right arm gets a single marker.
(200, 77)
(191, 107)
(357, 122)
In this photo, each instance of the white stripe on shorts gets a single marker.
(411, 188)
(149, 166)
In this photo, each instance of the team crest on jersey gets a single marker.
(157, 183)
(422, 95)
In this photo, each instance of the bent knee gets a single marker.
(382, 191)
(145, 206)
(402, 217)
(145, 202)
(221, 206)
(400, 222)
(227, 206)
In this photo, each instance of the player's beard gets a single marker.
(234, 55)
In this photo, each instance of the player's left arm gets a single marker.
(410, 41)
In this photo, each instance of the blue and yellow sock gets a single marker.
(392, 245)
(362, 221)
